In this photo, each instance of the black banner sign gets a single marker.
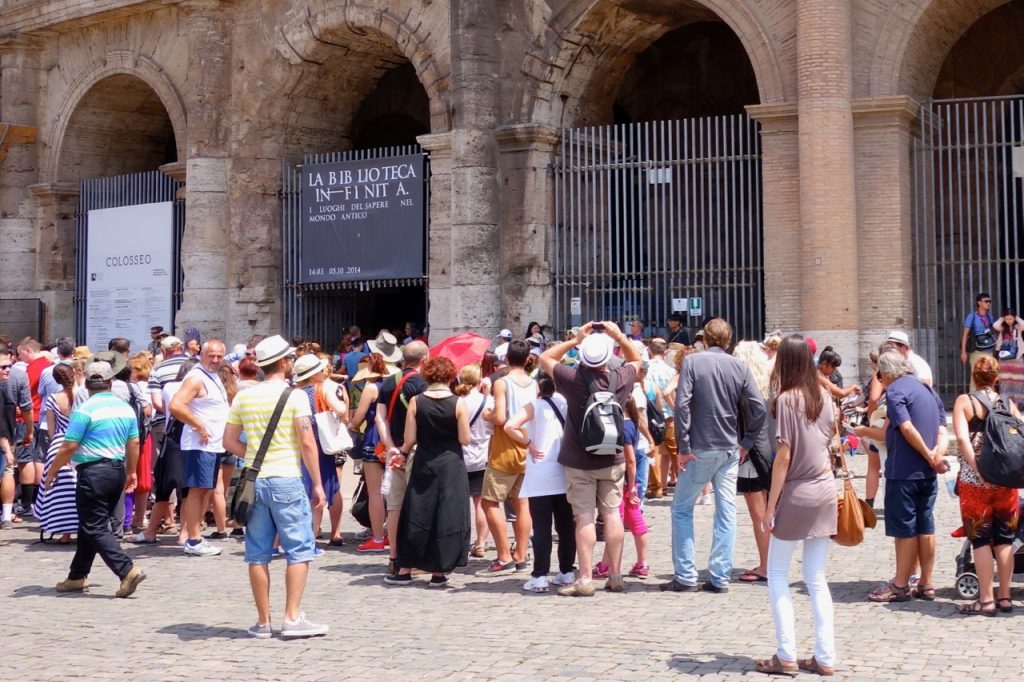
(363, 220)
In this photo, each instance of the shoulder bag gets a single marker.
(854, 515)
(332, 433)
(245, 492)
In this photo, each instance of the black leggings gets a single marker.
(542, 511)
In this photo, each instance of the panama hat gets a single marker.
(307, 366)
(596, 350)
(272, 349)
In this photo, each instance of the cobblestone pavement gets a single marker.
(188, 620)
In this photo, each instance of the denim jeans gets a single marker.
(281, 510)
(720, 467)
(643, 469)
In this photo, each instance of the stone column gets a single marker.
(439, 246)
(527, 194)
(475, 302)
(828, 211)
(780, 188)
(205, 246)
(883, 132)
(19, 89)
(56, 266)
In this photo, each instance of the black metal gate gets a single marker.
(149, 187)
(323, 312)
(968, 220)
(649, 213)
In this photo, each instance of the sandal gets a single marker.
(977, 608)
(1004, 604)
(890, 593)
(775, 666)
(477, 552)
(926, 592)
(811, 665)
(752, 577)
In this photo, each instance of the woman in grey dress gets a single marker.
(801, 506)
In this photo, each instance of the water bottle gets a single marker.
(385, 485)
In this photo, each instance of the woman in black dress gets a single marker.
(433, 533)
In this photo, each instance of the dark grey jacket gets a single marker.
(713, 388)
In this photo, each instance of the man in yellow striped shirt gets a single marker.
(281, 507)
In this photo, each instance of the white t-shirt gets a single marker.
(640, 398)
(475, 453)
(546, 477)
(921, 368)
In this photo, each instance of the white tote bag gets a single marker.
(333, 435)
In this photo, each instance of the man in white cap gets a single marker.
(201, 404)
(282, 509)
(102, 439)
(501, 350)
(922, 370)
(593, 481)
(162, 374)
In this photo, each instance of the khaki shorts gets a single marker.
(590, 488)
(670, 436)
(399, 482)
(500, 485)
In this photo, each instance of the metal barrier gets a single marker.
(125, 190)
(323, 312)
(648, 213)
(968, 217)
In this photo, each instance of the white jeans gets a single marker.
(780, 553)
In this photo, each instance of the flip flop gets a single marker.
(752, 577)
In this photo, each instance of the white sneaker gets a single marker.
(302, 627)
(704, 500)
(538, 584)
(564, 579)
(201, 548)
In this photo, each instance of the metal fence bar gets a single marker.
(649, 212)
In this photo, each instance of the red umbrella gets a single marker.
(462, 349)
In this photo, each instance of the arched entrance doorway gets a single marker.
(658, 207)
(969, 202)
(128, 220)
(377, 116)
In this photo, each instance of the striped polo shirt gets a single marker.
(252, 409)
(102, 427)
(162, 374)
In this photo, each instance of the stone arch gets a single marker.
(114, 64)
(589, 46)
(327, 31)
(913, 41)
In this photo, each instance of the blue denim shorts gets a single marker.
(909, 507)
(201, 468)
(281, 510)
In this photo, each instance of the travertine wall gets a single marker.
(230, 88)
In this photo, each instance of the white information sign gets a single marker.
(575, 305)
(129, 262)
(679, 305)
(696, 307)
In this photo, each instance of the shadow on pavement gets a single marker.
(721, 662)
(190, 632)
(48, 591)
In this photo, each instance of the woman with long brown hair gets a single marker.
(801, 506)
(55, 506)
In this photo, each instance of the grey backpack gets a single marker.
(601, 429)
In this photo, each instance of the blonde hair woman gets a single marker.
(754, 479)
(475, 454)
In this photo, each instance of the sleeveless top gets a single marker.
(437, 427)
(517, 397)
(975, 427)
(211, 410)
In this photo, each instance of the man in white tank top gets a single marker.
(201, 404)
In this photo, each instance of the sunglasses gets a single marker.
(7, 366)
(986, 300)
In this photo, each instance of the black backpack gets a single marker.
(1001, 461)
(138, 406)
(655, 422)
(601, 430)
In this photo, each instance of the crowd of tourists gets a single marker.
(565, 437)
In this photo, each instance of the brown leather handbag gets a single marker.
(854, 513)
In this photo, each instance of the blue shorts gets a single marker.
(34, 451)
(281, 510)
(201, 468)
(909, 507)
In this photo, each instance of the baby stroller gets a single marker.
(967, 586)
